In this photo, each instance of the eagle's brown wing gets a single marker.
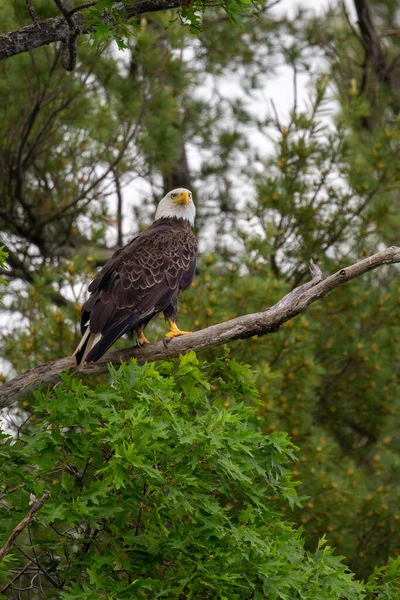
(141, 280)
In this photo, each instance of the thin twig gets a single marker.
(277, 122)
(17, 576)
(31, 11)
(82, 6)
(141, 507)
(41, 568)
(36, 506)
(295, 92)
(61, 8)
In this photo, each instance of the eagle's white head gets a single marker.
(179, 204)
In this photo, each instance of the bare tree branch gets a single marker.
(17, 576)
(262, 323)
(31, 11)
(40, 566)
(36, 505)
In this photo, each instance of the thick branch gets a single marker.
(32, 36)
(57, 29)
(370, 38)
(262, 323)
(36, 505)
(372, 44)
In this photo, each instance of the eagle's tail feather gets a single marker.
(100, 346)
(82, 342)
(87, 342)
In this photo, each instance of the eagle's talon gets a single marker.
(173, 332)
(140, 344)
(141, 339)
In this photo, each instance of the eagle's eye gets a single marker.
(190, 194)
(173, 196)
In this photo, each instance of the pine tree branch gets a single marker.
(36, 505)
(246, 326)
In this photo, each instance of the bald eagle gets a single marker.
(141, 280)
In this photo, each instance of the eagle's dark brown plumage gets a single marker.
(142, 279)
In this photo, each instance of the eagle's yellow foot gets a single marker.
(141, 338)
(173, 332)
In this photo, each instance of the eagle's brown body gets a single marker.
(142, 279)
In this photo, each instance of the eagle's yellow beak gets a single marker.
(183, 199)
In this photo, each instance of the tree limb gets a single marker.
(370, 37)
(32, 36)
(57, 29)
(262, 323)
(372, 45)
(36, 505)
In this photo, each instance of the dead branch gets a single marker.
(36, 505)
(246, 326)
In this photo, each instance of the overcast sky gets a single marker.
(280, 90)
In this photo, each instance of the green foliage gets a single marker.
(384, 582)
(161, 485)
(107, 18)
(3, 258)
(321, 183)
